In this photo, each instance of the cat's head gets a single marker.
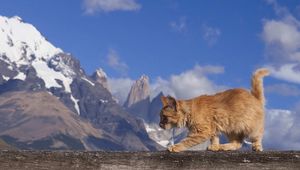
(171, 114)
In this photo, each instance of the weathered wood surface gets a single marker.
(148, 160)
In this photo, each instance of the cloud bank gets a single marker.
(188, 84)
(282, 129)
(94, 6)
(120, 87)
(283, 89)
(282, 41)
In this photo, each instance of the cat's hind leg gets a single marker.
(256, 137)
(235, 142)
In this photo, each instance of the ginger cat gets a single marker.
(237, 113)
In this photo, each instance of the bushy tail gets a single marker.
(257, 84)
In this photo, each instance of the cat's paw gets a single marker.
(257, 148)
(213, 148)
(175, 148)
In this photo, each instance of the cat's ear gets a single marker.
(169, 101)
(164, 100)
(172, 102)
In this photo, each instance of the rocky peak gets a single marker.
(100, 77)
(139, 91)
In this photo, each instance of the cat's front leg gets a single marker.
(176, 148)
(214, 143)
(191, 140)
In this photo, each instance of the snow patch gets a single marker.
(5, 77)
(103, 101)
(83, 78)
(149, 129)
(159, 135)
(76, 104)
(50, 76)
(164, 143)
(57, 64)
(20, 76)
(10, 67)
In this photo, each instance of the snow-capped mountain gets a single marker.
(29, 63)
(21, 42)
(23, 47)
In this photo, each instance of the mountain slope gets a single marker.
(38, 117)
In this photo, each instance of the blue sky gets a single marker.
(218, 44)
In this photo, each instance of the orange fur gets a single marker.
(257, 84)
(237, 113)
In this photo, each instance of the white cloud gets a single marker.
(190, 83)
(161, 85)
(113, 60)
(93, 6)
(283, 89)
(282, 130)
(210, 34)
(279, 10)
(120, 88)
(282, 40)
(287, 72)
(180, 25)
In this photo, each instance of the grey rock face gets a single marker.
(139, 91)
(139, 104)
(99, 76)
(96, 104)
(156, 105)
(66, 64)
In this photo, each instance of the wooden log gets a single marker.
(149, 160)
